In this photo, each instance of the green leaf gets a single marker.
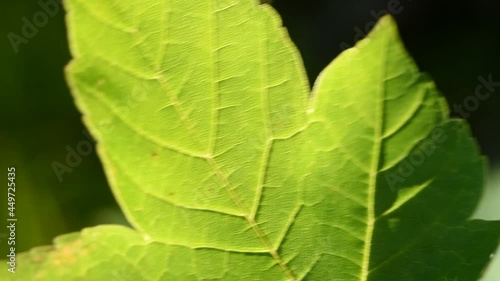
(229, 169)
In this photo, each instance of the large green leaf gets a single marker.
(229, 169)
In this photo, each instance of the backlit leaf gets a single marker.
(229, 168)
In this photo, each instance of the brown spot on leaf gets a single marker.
(69, 253)
(101, 82)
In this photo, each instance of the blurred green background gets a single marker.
(454, 42)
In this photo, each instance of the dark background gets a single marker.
(455, 42)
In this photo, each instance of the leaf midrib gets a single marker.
(375, 163)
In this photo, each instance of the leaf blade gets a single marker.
(211, 146)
